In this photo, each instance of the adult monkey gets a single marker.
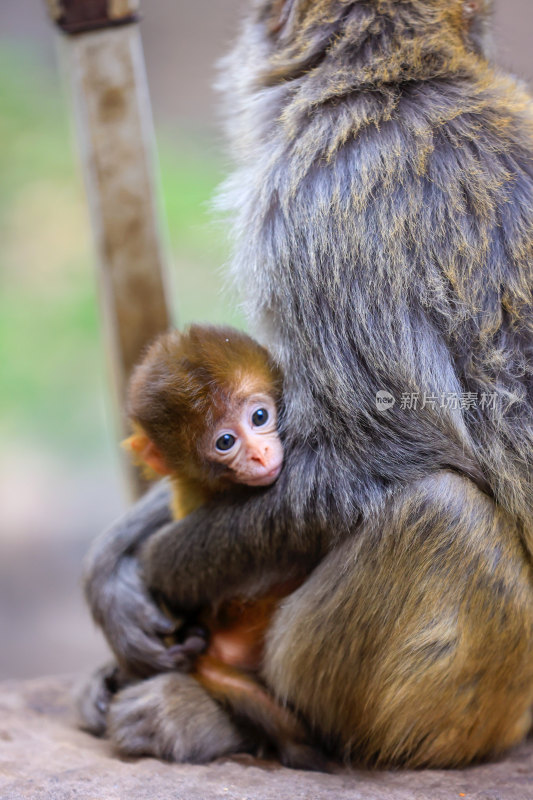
(384, 229)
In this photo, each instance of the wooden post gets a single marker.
(104, 60)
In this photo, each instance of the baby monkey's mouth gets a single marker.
(265, 478)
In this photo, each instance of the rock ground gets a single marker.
(44, 757)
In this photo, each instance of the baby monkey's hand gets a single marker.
(188, 641)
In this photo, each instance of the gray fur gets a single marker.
(112, 571)
(189, 722)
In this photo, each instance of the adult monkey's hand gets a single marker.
(119, 601)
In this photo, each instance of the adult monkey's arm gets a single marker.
(245, 539)
(202, 558)
(119, 600)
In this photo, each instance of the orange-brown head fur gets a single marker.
(186, 383)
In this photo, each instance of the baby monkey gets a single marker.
(203, 406)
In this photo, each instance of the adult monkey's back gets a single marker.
(384, 232)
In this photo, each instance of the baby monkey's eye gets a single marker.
(260, 417)
(225, 442)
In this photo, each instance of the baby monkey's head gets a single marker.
(203, 405)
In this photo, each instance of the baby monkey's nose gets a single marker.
(261, 456)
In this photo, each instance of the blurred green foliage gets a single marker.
(52, 373)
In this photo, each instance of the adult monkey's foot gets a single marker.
(94, 696)
(172, 717)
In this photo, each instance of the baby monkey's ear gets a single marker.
(144, 451)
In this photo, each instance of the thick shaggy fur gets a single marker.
(388, 196)
(384, 234)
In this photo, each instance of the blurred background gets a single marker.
(60, 480)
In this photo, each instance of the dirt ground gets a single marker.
(44, 757)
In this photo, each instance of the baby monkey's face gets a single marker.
(246, 441)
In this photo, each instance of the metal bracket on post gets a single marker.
(79, 16)
(104, 60)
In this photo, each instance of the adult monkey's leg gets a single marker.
(214, 711)
(413, 643)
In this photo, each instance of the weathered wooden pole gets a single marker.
(104, 61)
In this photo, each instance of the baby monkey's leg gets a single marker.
(255, 711)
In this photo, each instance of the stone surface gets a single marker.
(44, 757)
